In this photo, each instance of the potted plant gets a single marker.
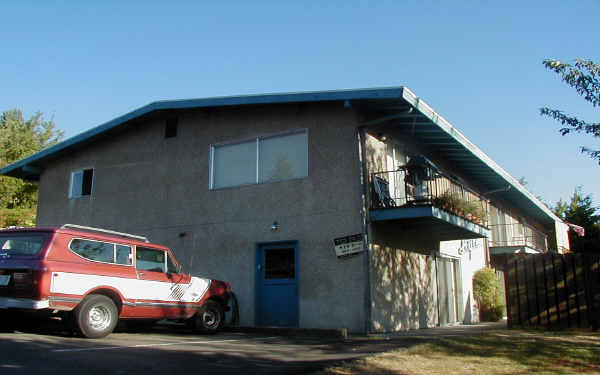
(475, 211)
(453, 202)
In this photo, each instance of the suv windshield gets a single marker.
(22, 244)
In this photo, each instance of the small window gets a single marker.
(171, 128)
(147, 259)
(81, 183)
(280, 263)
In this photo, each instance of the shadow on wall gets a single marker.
(375, 152)
(404, 290)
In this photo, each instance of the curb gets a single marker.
(341, 333)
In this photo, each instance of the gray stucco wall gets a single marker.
(146, 184)
(403, 283)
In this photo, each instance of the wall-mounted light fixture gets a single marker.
(382, 137)
(274, 226)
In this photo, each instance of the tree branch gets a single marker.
(575, 124)
(583, 76)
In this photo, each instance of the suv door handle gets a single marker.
(141, 274)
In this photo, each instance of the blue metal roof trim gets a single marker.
(352, 94)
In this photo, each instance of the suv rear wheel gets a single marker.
(96, 316)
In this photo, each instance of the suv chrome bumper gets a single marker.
(23, 303)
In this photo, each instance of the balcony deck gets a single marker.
(517, 238)
(445, 224)
(430, 203)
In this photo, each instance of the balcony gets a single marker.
(429, 202)
(517, 237)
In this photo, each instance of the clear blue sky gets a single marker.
(479, 64)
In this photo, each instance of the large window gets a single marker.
(81, 183)
(260, 160)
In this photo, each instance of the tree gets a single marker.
(20, 138)
(584, 77)
(581, 211)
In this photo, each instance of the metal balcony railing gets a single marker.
(518, 234)
(410, 187)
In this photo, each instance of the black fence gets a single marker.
(553, 290)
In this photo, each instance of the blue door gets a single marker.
(277, 284)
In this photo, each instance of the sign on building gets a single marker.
(460, 248)
(348, 245)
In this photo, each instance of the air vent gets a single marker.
(171, 127)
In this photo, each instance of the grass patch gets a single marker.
(503, 352)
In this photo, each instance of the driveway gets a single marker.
(175, 350)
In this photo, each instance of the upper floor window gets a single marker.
(260, 160)
(81, 183)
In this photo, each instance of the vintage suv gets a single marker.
(96, 277)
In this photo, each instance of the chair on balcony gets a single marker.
(382, 189)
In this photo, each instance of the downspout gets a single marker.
(364, 214)
(437, 291)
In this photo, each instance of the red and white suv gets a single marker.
(97, 277)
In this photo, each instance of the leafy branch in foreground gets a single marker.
(584, 77)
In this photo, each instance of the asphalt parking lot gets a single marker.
(49, 349)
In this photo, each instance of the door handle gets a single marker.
(140, 274)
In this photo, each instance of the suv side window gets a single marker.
(147, 259)
(102, 251)
(123, 255)
(171, 266)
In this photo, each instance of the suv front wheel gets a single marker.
(209, 317)
(96, 316)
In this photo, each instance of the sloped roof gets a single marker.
(426, 126)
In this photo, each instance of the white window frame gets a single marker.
(81, 170)
(256, 140)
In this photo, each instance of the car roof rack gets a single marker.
(100, 230)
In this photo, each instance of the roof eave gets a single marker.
(434, 117)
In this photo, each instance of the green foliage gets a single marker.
(581, 211)
(584, 77)
(487, 292)
(454, 202)
(448, 201)
(19, 217)
(20, 138)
